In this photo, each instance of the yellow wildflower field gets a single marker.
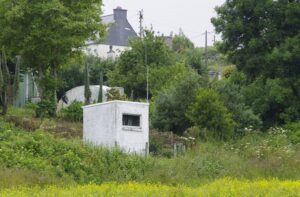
(223, 187)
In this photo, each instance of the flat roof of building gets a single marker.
(115, 101)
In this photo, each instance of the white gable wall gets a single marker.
(101, 50)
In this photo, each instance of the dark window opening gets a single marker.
(131, 120)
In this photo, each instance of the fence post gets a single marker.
(147, 149)
(175, 149)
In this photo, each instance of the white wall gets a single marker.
(99, 124)
(101, 50)
(102, 125)
(133, 139)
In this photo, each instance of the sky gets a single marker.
(166, 16)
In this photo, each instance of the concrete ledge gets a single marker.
(115, 101)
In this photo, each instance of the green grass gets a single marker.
(12, 177)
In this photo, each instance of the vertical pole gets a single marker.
(147, 71)
(100, 96)
(175, 149)
(147, 149)
(206, 55)
(141, 17)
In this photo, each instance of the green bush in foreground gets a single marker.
(84, 163)
(209, 112)
(223, 187)
(73, 112)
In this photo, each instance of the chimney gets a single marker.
(120, 14)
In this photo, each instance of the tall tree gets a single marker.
(252, 29)
(130, 71)
(9, 81)
(87, 90)
(47, 33)
(262, 38)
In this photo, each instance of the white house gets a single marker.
(118, 123)
(119, 33)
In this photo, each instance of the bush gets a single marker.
(294, 134)
(230, 93)
(209, 112)
(73, 112)
(197, 133)
(45, 108)
(172, 104)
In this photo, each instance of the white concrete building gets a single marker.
(118, 123)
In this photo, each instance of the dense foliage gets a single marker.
(172, 104)
(131, 67)
(209, 112)
(47, 34)
(73, 112)
(262, 39)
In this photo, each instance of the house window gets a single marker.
(131, 120)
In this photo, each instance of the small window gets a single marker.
(131, 120)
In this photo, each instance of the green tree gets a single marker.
(171, 105)
(72, 72)
(87, 90)
(130, 71)
(209, 112)
(262, 38)
(48, 33)
(181, 43)
(231, 94)
(9, 80)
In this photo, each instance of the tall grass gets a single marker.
(12, 177)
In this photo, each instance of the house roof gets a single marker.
(119, 29)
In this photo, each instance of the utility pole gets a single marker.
(147, 74)
(206, 55)
(141, 18)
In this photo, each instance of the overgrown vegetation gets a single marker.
(81, 162)
(257, 155)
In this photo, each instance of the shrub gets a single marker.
(73, 112)
(230, 93)
(172, 104)
(45, 108)
(209, 112)
(197, 133)
(294, 134)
